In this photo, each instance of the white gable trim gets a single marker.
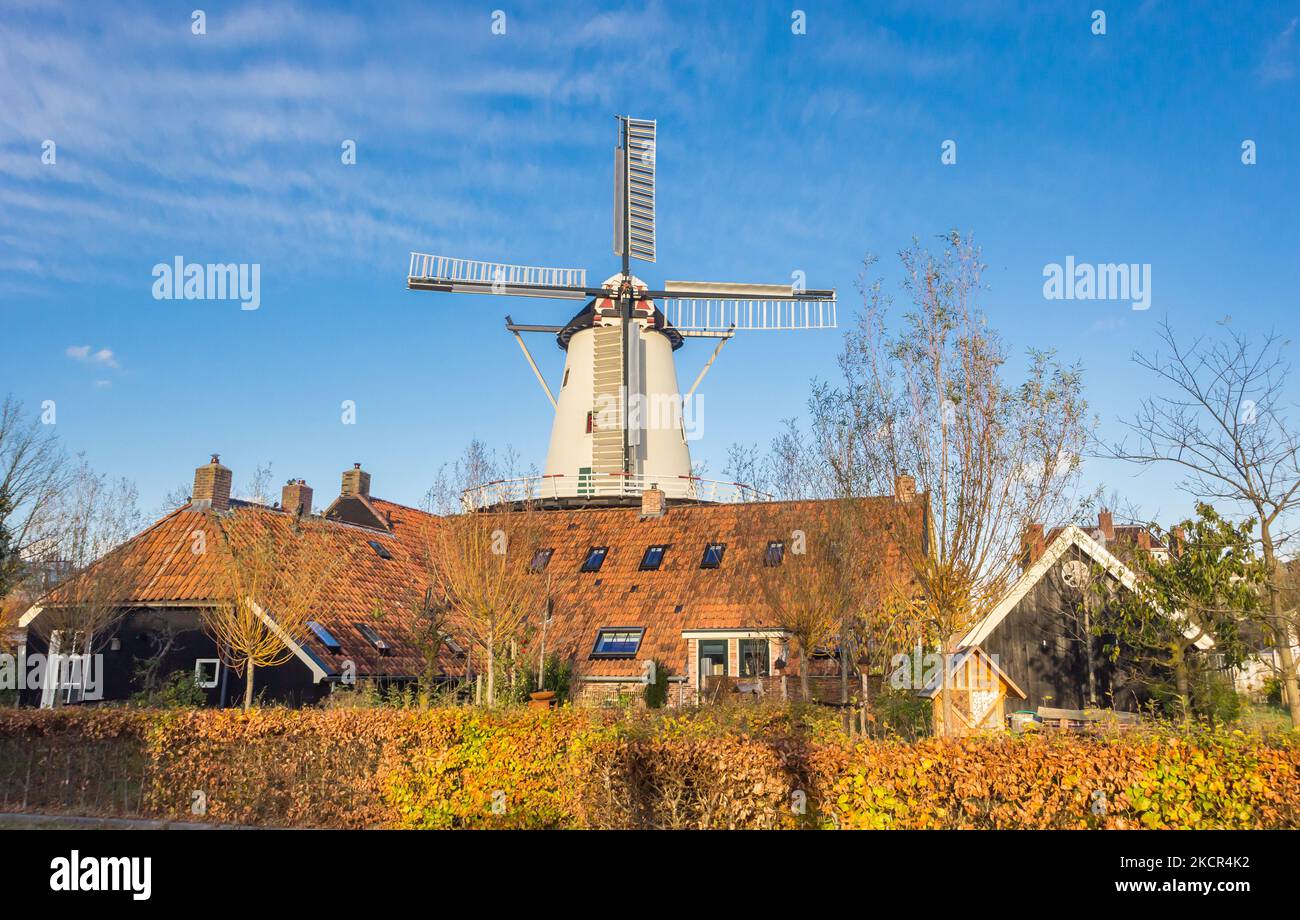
(1070, 536)
(303, 655)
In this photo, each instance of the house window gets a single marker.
(774, 555)
(541, 559)
(713, 658)
(754, 658)
(654, 555)
(617, 642)
(713, 555)
(325, 636)
(206, 672)
(373, 637)
(595, 558)
(380, 550)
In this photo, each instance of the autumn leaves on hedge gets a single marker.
(467, 768)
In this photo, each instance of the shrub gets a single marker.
(762, 766)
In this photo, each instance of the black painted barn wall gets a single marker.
(138, 636)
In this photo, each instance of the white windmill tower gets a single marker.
(619, 417)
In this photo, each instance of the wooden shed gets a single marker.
(978, 689)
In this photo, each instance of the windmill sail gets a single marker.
(469, 276)
(634, 189)
(712, 307)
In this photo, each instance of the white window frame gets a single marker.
(198, 672)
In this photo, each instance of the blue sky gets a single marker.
(778, 152)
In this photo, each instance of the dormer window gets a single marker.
(595, 559)
(713, 555)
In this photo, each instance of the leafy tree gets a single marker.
(1212, 585)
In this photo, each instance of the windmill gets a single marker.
(619, 424)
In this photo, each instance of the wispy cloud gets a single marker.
(85, 353)
(1279, 63)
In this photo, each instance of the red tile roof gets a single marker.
(679, 596)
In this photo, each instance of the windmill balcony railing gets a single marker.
(598, 486)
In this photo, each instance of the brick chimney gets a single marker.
(654, 502)
(905, 488)
(295, 497)
(356, 481)
(212, 486)
(1032, 543)
(1177, 537)
(1106, 524)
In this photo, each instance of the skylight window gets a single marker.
(595, 558)
(373, 638)
(713, 555)
(380, 550)
(617, 642)
(654, 555)
(541, 559)
(774, 555)
(325, 636)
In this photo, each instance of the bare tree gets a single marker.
(258, 487)
(478, 464)
(1223, 421)
(80, 547)
(273, 572)
(33, 473)
(930, 400)
(480, 564)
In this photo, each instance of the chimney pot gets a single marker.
(212, 485)
(1106, 524)
(654, 502)
(905, 488)
(295, 497)
(356, 481)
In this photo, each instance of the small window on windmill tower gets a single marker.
(774, 555)
(713, 555)
(590, 421)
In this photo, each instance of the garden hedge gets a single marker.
(522, 768)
